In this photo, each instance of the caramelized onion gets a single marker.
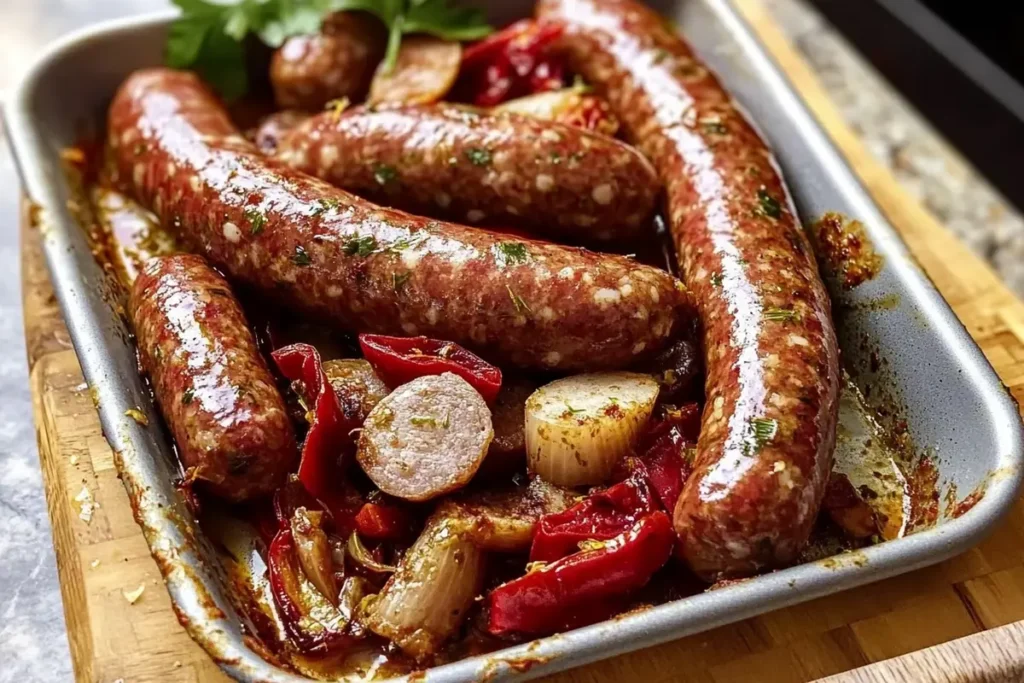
(314, 552)
(426, 600)
(361, 555)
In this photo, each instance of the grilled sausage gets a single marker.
(308, 71)
(337, 258)
(267, 135)
(768, 431)
(213, 387)
(455, 162)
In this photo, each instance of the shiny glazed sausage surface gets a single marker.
(456, 162)
(344, 260)
(217, 396)
(772, 377)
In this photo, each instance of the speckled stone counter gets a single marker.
(33, 646)
(923, 162)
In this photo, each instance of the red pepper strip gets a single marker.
(494, 45)
(539, 602)
(330, 434)
(313, 624)
(548, 74)
(495, 87)
(686, 418)
(600, 516)
(383, 522)
(402, 359)
(512, 63)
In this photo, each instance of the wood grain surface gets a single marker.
(101, 560)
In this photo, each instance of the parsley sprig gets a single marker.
(208, 36)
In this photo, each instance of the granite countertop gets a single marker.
(33, 646)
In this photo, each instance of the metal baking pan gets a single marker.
(953, 403)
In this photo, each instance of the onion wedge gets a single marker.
(579, 427)
(425, 601)
(314, 552)
(424, 72)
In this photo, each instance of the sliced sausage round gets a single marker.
(425, 439)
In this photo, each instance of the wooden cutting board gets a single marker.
(100, 560)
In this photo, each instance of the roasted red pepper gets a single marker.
(330, 430)
(599, 517)
(383, 522)
(540, 602)
(314, 625)
(402, 359)
(664, 461)
(511, 63)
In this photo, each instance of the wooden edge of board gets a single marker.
(994, 655)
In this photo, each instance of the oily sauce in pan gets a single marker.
(900, 487)
(880, 488)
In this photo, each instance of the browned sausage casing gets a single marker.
(308, 71)
(768, 429)
(340, 259)
(214, 389)
(456, 162)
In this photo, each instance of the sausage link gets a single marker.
(308, 71)
(341, 259)
(768, 429)
(212, 385)
(271, 130)
(455, 162)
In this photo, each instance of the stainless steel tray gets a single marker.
(954, 404)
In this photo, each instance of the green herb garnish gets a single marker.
(301, 258)
(768, 205)
(384, 174)
(762, 431)
(423, 421)
(324, 205)
(360, 246)
(257, 221)
(517, 301)
(187, 396)
(478, 156)
(510, 253)
(716, 279)
(573, 411)
(580, 86)
(780, 315)
(209, 37)
(398, 281)
(713, 126)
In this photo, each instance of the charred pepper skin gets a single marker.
(341, 259)
(772, 376)
(213, 387)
